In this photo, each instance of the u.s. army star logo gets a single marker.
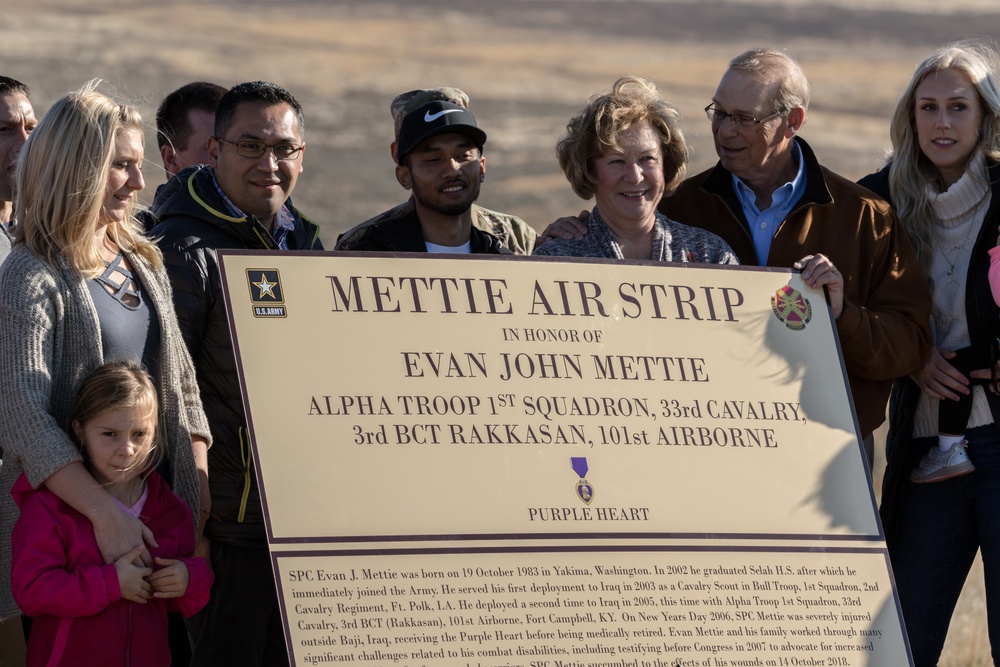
(265, 293)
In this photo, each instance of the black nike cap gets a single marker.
(434, 118)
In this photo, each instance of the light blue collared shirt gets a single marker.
(763, 224)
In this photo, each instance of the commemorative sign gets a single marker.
(488, 462)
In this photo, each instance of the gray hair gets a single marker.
(776, 66)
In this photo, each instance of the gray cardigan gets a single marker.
(50, 340)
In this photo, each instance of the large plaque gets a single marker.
(489, 462)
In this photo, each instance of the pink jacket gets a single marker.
(59, 578)
(994, 274)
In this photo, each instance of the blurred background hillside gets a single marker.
(528, 65)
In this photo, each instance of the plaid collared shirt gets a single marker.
(284, 222)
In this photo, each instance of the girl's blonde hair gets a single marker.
(62, 182)
(911, 171)
(113, 386)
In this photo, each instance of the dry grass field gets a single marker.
(528, 65)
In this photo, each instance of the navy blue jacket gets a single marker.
(193, 224)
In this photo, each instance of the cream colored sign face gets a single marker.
(719, 607)
(524, 418)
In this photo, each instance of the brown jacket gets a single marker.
(884, 329)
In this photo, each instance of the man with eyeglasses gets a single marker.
(240, 200)
(775, 205)
(770, 199)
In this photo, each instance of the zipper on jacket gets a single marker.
(129, 634)
(268, 243)
(246, 456)
(59, 644)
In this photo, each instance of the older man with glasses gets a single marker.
(240, 200)
(770, 199)
(775, 205)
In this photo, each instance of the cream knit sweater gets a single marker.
(960, 211)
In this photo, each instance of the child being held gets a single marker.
(85, 611)
(949, 458)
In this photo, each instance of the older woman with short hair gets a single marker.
(626, 149)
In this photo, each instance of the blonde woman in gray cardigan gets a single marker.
(82, 286)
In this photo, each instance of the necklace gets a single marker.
(957, 249)
(959, 211)
(951, 263)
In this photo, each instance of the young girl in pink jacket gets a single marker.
(86, 611)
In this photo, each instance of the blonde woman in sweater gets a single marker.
(83, 286)
(944, 183)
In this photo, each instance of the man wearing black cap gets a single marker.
(440, 159)
(515, 234)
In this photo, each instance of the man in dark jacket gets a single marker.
(776, 205)
(240, 201)
(185, 123)
(515, 234)
(17, 120)
(439, 152)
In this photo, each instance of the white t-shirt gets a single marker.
(463, 249)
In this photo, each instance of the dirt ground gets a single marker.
(528, 66)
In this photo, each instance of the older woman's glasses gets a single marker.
(255, 149)
(740, 120)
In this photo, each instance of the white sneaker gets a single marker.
(937, 465)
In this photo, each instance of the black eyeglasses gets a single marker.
(739, 119)
(255, 149)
